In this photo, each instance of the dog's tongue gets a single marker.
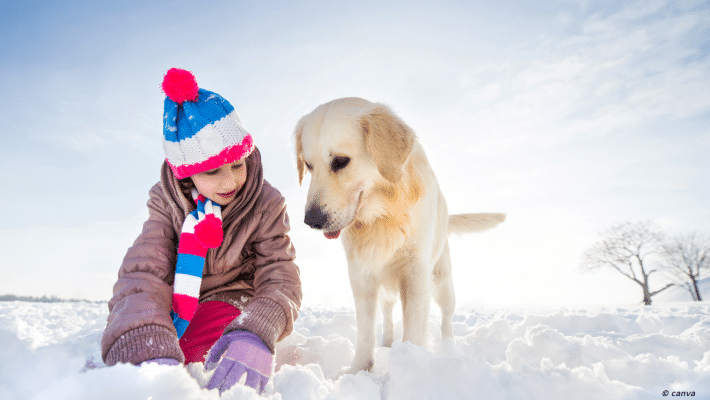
(331, 235)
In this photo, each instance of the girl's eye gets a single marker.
(339, 163)
(211, 172)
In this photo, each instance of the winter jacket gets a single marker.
(253, 270)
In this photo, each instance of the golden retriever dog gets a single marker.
(372, 183)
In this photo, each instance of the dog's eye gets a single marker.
(308, 166)
(339, 163)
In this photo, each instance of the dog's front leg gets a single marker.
(387, 321)
(414, 293)
(365, 294)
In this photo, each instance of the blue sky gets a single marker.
(570, 116)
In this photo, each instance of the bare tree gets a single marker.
(687, 258)
(631, 249)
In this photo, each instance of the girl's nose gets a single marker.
(230, 180)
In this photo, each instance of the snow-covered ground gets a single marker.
(51, 351)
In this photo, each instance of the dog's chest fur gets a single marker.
(381, 239)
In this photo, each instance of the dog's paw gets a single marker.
(355, 368)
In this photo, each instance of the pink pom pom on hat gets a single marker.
(180, 85)
(202, 131)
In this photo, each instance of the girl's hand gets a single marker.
(238, 353)
(162, 361)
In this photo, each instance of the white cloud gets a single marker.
(617, 72)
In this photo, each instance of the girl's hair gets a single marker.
(186, 186)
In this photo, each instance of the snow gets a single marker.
(51, 351)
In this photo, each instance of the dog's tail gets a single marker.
(469, 223)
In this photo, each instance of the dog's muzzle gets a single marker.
(315, 218)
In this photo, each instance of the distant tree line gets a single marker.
(43, 299)
(639, 250)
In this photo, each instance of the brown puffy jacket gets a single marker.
(253, 270)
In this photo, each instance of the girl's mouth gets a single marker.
(229, 194)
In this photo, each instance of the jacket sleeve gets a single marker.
(139, 326)
(277, 299)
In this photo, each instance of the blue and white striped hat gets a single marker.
(202, 130)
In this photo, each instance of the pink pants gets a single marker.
(206, 327)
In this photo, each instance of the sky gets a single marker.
(569, 116)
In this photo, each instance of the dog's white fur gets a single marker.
(392, 214)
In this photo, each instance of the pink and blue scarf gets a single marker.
(202, 230)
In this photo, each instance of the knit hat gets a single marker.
(202, 131)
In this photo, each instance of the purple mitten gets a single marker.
(237, 353)
(162, 361)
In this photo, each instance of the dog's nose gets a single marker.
(315, 218)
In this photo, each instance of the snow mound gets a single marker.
(51, 351)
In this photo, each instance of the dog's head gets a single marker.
(348, 146)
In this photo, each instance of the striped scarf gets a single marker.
(201, 230)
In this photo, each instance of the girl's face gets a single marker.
(222, 184)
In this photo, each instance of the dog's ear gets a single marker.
(388, 140)
(300, 163)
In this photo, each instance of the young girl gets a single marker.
(212, 276)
